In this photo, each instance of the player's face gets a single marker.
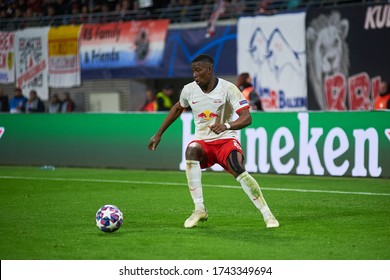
(202, 73)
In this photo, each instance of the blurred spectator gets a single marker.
(67, 103)
(45, 6)
(95, 6)
(150, 103)
(292, 4)
(4, 104)
(18, 102)
(3, 13)
(29, 19)
(244, 83)
(218, 10)
(117, 9)
(105, 9)
(35, 6)
(206, 10)
(112, 4)
(265, 7)
(61, 7)
(51, 13)
(84, 16)
(12, 6)
(138, 12)
(164, 98)
(18, 13)
(235, 8)
(185, 10)
(34, 103)
(172, 8)
(22, 4)
(55, 104)
(383, 100)
(125, 6)
(75, 12)
(74, 4)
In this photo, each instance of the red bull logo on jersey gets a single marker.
(207, 115)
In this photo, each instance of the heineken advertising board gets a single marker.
(306, 143)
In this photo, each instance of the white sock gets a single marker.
(252, 189)
(194, 178)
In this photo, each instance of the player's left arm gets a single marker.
(244, 119)
(241, 106)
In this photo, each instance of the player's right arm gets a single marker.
(173, 114)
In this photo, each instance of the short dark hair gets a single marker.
(203, 57)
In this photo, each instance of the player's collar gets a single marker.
(215, 84)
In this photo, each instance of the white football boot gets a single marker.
(271, 222)
(195, 217)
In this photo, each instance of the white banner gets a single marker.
(7, 66)
(272, 50)
(64, 63)
(195, 269)
(31, 61)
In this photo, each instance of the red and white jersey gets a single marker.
(217, 106)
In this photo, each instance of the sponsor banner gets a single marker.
(64, 64)
(123, 44)
(182, 45)
(316, 143)
(304, 143)
(272, 50)
(31, 61)
(7, 66)
(347, 56)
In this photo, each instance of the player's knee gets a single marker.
(194, 151)
(236, 162)
(239, 169)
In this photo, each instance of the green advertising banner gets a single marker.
(90, 140)
(306, 143)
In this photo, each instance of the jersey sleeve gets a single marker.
(184, 98)
(237, 99)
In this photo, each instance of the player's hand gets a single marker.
(153, 142)
(218, 128)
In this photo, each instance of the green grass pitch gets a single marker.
(51, 215)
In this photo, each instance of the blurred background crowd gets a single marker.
(15, 14)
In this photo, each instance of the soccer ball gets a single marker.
(109, 218)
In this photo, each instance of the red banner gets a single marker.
(123, 44)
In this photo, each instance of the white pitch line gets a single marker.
(184, 184)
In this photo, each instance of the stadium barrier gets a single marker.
(307, 143)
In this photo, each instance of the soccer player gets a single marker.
(213, 101)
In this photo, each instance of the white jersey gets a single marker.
(217, 106)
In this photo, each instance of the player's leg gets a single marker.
(235, 163)
(195, 155)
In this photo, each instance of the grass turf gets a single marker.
(51, 215)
